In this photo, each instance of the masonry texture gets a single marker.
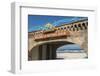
(75, 33)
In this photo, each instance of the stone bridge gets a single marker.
(72, 33)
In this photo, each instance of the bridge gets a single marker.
(72, 33)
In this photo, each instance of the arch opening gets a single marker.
(49, 51)
(70, 51)
(79, 25)
(84, 25)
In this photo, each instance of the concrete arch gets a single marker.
(84, 25)
(62, 42)
(76, 28)
(71, 27)
(49, 48)
(52, 45)
(80, 26)
(51, 41)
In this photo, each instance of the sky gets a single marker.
(70, 48)
(37, 22)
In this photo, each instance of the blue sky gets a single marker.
(70, 48)
(37, 22)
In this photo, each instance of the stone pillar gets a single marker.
(84, 45)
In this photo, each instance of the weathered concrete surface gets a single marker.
(78, 37)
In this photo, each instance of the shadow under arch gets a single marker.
(52, 41)
(46, 51)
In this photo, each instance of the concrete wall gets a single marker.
(35, 53)
(44, 52)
